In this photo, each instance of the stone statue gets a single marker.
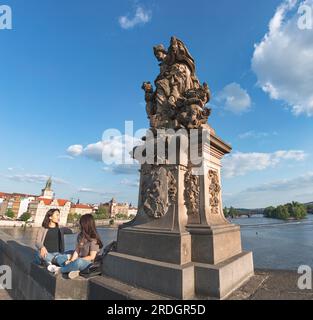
(179, 99)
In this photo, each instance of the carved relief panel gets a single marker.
(158, 190)
(214, 190)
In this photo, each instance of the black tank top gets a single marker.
(52, 241)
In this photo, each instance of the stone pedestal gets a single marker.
(180, 245)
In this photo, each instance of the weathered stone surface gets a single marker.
(105, 288)
(32, 282)
(160, 246)
(215, 244)
(179, 99)
(158, 190)
(167, 279)
(221, 279)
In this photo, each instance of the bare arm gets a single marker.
(91, 257)
(75, 254)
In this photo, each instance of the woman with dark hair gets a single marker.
(50, 238)
(87, 248)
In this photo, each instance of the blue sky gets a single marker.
(70, 70)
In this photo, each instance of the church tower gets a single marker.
(47, 192)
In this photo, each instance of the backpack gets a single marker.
(95, 269)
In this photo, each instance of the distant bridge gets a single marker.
(249, 215)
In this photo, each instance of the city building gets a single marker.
(47, 192)
(81, 209)
(39, 207)
(2, 198)
(114, 208)
(95, 208)
(132, 211)
(17, 202)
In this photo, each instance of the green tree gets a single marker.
(294, 210)
(121, 216)
(10, 213)
(73, 218)
(297, 210)
(226, 212)
(282, 213)
(101, 214)
(269, 212)
(102, 211)
(25, 216)
(233, 212)
(309, 208)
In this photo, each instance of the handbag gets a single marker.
(95, 269)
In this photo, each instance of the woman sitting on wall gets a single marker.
(50, 238)
(87, 248)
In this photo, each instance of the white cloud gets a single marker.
(274, 193)
(239, 164)
(283, 60)
(65, 157)
(256, 135)
(130, 183)
(297, 183)
(141, 17)
(34, 178)
(114, 151)
(11, 169)
(122, 169)
(235, 98)
(98, 192)
(75, 150)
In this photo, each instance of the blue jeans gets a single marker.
(77, 265)
(50, 256)
(48, 259)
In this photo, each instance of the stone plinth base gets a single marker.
(213, 245)
(187, 281)
(105, 288)
(163, 246)
(220, 280)
(160, 277)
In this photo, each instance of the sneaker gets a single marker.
(73, 274)
(53, 269)
(45, 264)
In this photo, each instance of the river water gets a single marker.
(275, 244)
